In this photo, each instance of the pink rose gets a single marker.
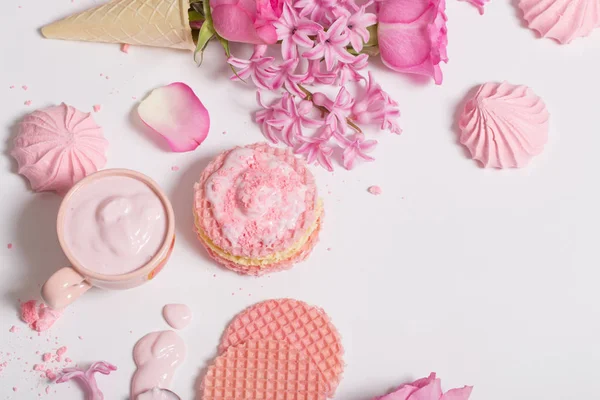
(246, 21)
(412, 36)
(427, 389)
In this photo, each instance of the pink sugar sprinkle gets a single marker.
(15, 388)
(39, 367)
(375, 190)
(174, 168)
(97, 107)
(46, 357)
(13, 329)
(125, 48)
(9, 246)
(27, 103)
(50, 375)
(25, 87)
(62, 350)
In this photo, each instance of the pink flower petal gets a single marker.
(458, 394)
(177, 114)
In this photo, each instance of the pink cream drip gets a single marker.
(178, 316)
(255, 197)
(157, 355)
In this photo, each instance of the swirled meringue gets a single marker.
(504, 125)
(562, 20)
(58, 146)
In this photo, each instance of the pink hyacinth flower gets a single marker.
(247, 21)
(291, 118)
(331, 45)
(339, 109)
(87, 379)
(258, 68)
(376, 107)
(317, 149)
(427, 389)
(357, 24)
(357, 148)
(294, 31)
(412, 36)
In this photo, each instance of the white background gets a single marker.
(487, 277)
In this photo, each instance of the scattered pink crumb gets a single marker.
(15, 388)
(97, 107)
(25, 87)
(133, 98)
(375, 190)
(107, 77)
(29, 312)
(68, 360)
(38, 317)
(80, 337)
(101, 74)
(13, 329)
(9, 246)
(27, 103)
(47, 389)
(329, 249)
(224, 132)
(50, 375)
(214, 275)
(125, 48)
(39, 367)
(174, 168)
(46, 357)
(11, 87)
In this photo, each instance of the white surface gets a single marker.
(488, 277)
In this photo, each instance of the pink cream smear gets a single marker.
(114, 225)
(178, 316)
(157, 355)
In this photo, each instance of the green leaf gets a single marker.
(372, 36)
(195, 16)
(206, 34)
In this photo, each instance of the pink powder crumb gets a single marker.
(329, 249)
(9, 246)
(39, 367)
(15, 388)
(50, 375)
(13, 329)
(27, 103)
(11, 87)
(62, 350)
(80, 337)
(133, 98)
(47, 389)
(101, 74)
(125, 48)
(97, 107)
(38, 317)
(46, 357)
(25, 87)
(29, 312)
(375, 190)
(107, 77)
(224, 132)
(175, 168)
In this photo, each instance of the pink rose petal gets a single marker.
(428, 388)
(177, 114)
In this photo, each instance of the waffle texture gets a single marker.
(308, 329)
(263, 370)
(266, 268)
(158, 23)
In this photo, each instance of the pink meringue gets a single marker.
(504, 125)
(561, 20)
(58, 146)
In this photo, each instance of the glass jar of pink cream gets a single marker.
(117, 228)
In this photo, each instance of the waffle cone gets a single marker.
(158, 23)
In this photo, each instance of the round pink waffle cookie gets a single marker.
(263, 370)
(256, 209)
(306, 328)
